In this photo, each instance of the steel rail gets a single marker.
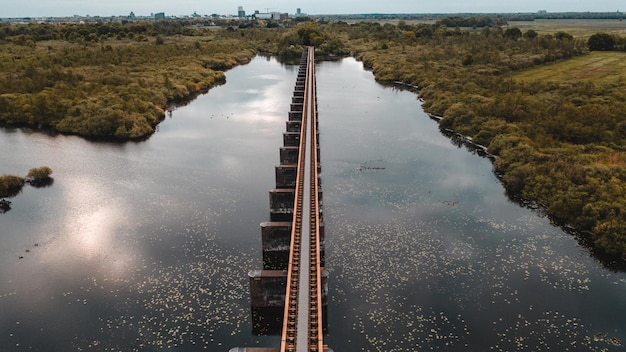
(315, 294)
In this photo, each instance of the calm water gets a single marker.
(142, 246)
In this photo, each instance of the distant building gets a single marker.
(264, 16)
(276, 16)
(240, 12)
(159, 16)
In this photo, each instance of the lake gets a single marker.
(147, 245)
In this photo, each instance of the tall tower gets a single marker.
(240, 12)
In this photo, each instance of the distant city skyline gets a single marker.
(60, 8)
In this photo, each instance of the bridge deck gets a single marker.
(297, 226)
(302, 323)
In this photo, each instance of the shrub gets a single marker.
(10, 185)
(39, 173)
(601, 42)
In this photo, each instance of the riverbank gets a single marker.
(111, 89)
(557, 143)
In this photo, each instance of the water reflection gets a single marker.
(42, 183)
(143, 246)
(437, 257)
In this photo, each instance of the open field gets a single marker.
(578, 28)
(600, 67)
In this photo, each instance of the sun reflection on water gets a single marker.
(94, 225)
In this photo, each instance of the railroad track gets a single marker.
(302, 323)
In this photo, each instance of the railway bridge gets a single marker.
(289, 296)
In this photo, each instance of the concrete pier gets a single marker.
(267, 300)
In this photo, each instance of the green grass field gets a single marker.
(578, 28)
(598, 67)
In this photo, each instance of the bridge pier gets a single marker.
(286, 175)
(291, 139)
(293, 126)
(267, 300)
(275, 239)
(282, 202)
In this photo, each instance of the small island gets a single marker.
(11, 185)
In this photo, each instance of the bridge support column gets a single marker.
(267, 300)
(275, 238)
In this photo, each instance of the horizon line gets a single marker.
(540, 12)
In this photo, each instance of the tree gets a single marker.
(310, 34)
(563, 36)
(530, 34)
(601, 42)
(468, 60)
(39, 173)
(10, 185)
(513, 33)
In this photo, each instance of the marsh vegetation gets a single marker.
(11, 185)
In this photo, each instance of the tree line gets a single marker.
(99, 31)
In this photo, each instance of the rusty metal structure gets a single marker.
(302, 320)
(293, 279)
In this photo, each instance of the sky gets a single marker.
(105, 8)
